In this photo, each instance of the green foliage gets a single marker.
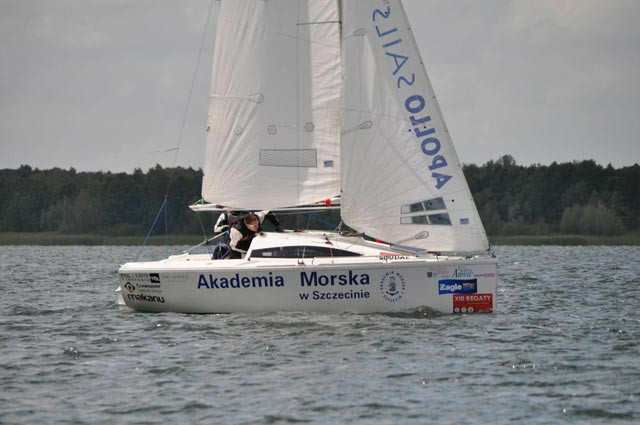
(55, 238)
(581, 198)
(591, 220)
(562, 239)
(519, 227)
(104, 203)
(518, 200)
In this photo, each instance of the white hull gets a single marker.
(378, 280)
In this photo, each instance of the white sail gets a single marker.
(402, 181)
(274, 141)
(274, 113)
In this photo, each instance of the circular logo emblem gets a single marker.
(392, 286)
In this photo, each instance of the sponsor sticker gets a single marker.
(155, 279)
(146, 298)
(391, 256)
(174, 277)
(141, 283)
(135, 277)
(472, 303)
(457, 286)
(392, 286)
(462, 273)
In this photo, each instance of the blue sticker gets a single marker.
(464, 221)
(328, 163)
(457, 286)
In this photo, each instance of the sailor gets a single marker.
(243, 232)
(225, 221)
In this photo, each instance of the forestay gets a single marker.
(274, 116)
(401, 178)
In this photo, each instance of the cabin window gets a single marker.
(301, 251)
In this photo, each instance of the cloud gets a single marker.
(100, 84)
(541, 80)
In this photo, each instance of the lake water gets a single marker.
(563, 347)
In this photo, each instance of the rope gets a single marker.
(331, 225)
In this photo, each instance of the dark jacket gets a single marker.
(241, 235)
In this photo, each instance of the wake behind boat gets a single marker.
(313, 101)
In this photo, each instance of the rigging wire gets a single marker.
(163, 207)
(193, 83)
(325, 222)
(177, 148)
(204, 233)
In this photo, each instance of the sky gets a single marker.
(104, 84)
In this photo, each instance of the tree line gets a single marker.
(578, 198)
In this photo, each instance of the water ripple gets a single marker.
(563, 347)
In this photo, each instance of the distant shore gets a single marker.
(54, 238)
(568, 240)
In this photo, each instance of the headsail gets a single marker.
(402, 181)
(274, 113)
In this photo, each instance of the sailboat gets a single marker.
(327, 104)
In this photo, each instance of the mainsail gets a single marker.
(402, 181)
(274, 115)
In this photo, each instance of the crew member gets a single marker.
(226, 220)
(246, 229)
